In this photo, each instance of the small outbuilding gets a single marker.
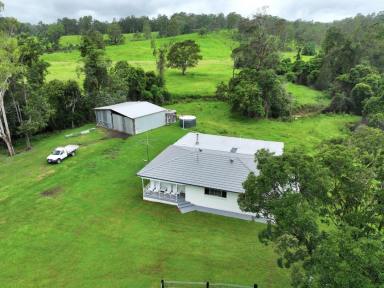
(131, 117)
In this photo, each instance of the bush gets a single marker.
(222, 91)
(291, 77)
(309, 49)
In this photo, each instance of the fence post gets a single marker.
(254, 285)
(162, 284)
(207, 284)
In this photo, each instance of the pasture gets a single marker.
(216, 65)
(83, 223)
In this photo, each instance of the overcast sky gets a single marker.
(318, 10)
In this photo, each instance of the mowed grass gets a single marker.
(216, 65)
(83, 223)
(305, 132)
(92, 228)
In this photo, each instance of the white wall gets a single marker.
(149, 122)
(196, 196)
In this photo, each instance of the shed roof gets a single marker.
(134, 109)
(200, 166)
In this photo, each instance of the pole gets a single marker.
(147, 148)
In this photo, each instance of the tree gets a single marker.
(258, 49)
(130, 83)
(114, 34)
(325, 209)
(183, 55)
(233, 20)
(309, 49)
(65, 98)
(92, 51)
(54, 32)
(258, 94)
(202, 31)
(161, 62)
(26, 90)
(147, 29)
(85, 24)
(9, 66)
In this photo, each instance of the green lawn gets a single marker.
(305, 97)
(94, 230)
(216, 65)
(307, 132)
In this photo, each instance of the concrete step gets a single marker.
(186, 207)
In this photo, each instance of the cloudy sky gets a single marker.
(318, 10)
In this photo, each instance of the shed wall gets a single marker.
(104, 118)
(149, 122)
(122, 124)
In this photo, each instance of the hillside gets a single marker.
(216, 65)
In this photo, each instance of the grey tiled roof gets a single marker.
(134, 109)
(201, 167)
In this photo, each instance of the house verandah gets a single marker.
(163, 191)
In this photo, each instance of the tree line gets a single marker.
(29, 104)
(347, 64)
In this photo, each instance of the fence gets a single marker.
(186, 284)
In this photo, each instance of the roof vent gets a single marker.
(231, 160)
(233, 149)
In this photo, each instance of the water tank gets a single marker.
(187, 121)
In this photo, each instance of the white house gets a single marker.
(203, 172)
(133, 117)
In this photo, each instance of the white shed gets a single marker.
(131, 117)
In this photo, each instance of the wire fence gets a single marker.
(188, 284)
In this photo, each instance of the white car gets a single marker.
(60, 153)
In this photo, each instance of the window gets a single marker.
(215, 192)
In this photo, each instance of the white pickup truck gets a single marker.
(60, 153)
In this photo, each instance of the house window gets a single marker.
(215, 192)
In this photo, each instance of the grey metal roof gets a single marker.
(227, 144)
(134, 109)
(205, 168)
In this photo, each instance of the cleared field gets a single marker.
(83, 223)
(306, 132)
(305, 97)
(216, 65)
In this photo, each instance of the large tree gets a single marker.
(183, 55)
(325, 210)
(258, 48)
(114, 34)
(9, 66)
(92, 51)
